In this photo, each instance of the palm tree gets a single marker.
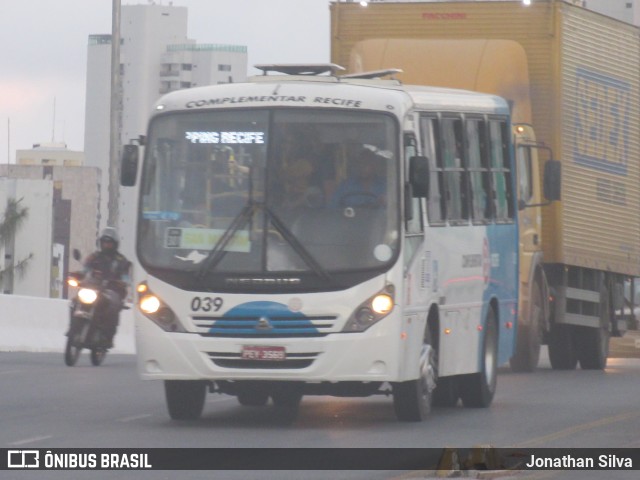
(14, 217)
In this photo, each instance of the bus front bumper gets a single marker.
(370, 356)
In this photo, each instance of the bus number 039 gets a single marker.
(206, 304)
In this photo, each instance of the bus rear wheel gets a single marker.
(530, 336)
(287, 395)
(185, 398)
(477, 389)
(253, 398)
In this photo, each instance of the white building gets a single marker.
(156, 57)
(191, 65)
(62, 204)
(53, 154)
(32, 242)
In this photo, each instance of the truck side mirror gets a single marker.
(129, 165)
(419, 176)
(552, 180)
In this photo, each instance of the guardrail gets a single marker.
(35, 324)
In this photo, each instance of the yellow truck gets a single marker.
(571, 77)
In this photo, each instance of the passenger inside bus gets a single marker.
(300, 189)
(364, 187)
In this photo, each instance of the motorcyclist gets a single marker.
(108, 264)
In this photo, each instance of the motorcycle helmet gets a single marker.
(109, 239)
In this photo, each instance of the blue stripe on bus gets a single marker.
(263, 318)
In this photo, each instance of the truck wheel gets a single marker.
(412, 399)
(562, 352)
(593, 343)
(185, 398)
(477, 389)
(530, 336)
(593, 348)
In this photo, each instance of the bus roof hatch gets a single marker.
(300, 68)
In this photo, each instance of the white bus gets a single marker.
(306, 233)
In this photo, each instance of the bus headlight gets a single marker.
(150, 304)
(157, 311)
(371, 311)
(382, 304)
(87, 296)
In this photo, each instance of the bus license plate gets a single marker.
(250, 352)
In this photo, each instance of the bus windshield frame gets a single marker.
(270, 200)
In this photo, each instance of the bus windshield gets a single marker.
(246, 199)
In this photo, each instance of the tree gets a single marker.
(14, 217)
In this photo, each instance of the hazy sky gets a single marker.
(44, 54)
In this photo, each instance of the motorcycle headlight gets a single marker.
(87, 296)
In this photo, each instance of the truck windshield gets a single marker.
(246, 199)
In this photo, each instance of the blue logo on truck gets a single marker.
(602, 122)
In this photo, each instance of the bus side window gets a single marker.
(479, 173)
(501, 171)
(455, 172)
(429, 132)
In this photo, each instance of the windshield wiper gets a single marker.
(291, 239)
(219, 249)
(217, 253)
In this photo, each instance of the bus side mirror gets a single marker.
(129, 165)
(419, 176)
(552, 180)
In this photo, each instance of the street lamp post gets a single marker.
(115, 117)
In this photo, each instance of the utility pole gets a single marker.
(116, 117)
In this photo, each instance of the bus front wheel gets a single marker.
(185, 398)
(412, 400)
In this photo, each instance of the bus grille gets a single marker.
(265, 326)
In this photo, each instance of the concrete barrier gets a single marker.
(35, 324)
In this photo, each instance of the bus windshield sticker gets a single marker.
(206, 239)
(160, 215)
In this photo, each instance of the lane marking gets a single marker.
(221, 399)
(30, 440)
(567, 432)
(134, 417)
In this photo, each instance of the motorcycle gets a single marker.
(88, 324)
